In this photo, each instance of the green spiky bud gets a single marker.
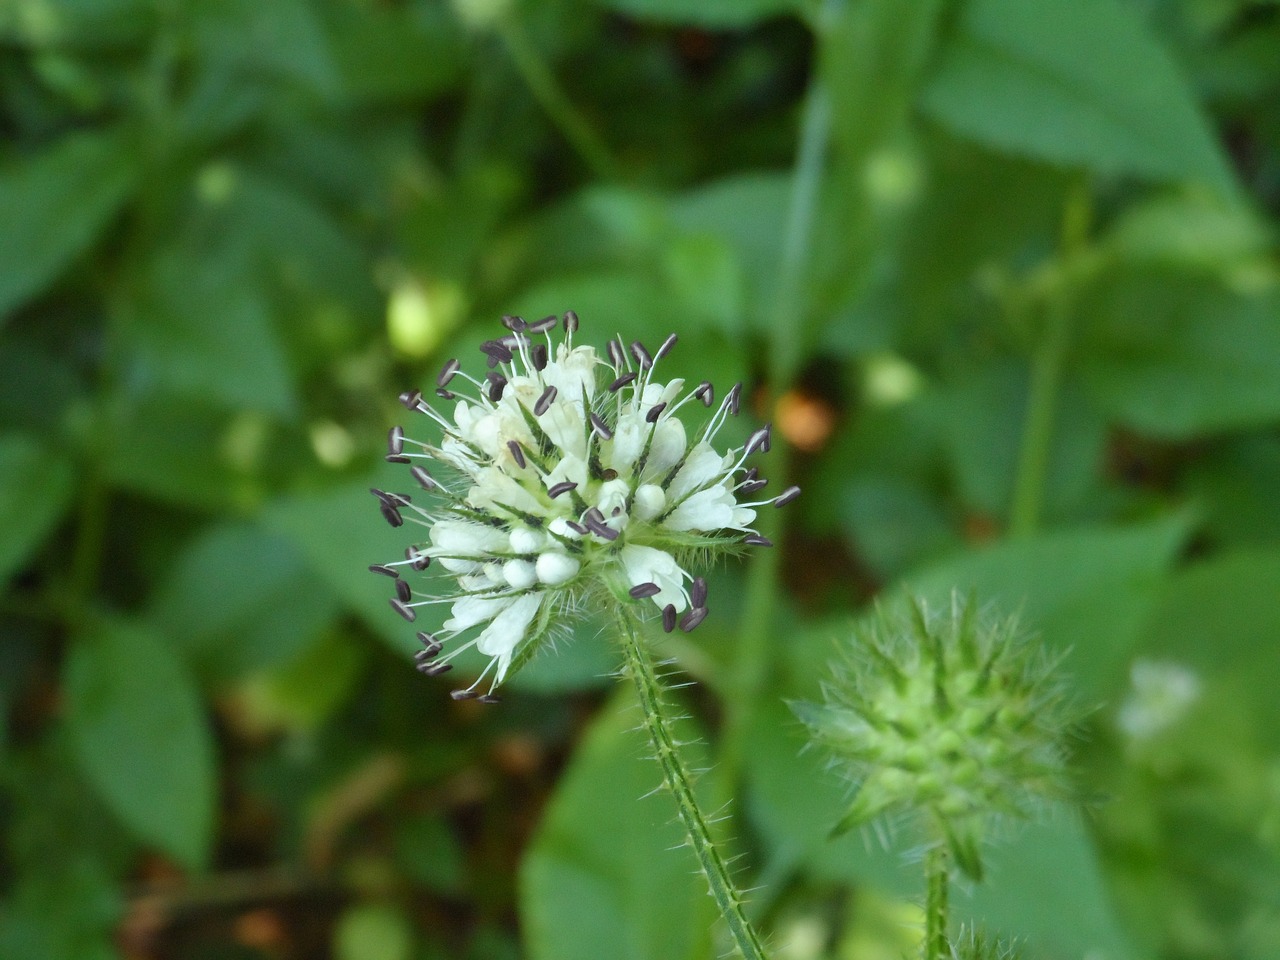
(949, 714)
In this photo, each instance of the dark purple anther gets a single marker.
(640, 591)
(669, 617)
(401, 608)
(667, 344)
(403, 591)
(693, 618)
(698, 593)
(600, 427)
(384, 570)
(447, 372)
(544, 401)
(654, 413)
(517, 454)
(786, 496)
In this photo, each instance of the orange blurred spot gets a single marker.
(804, 421)
(262, 929)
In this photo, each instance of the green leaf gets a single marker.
(1086, 591)
(373, 932)
(142, 738)
(35, 489)
(714, 14)
(1221, 618)
(55, 204)
(204, 329)
(339, 533)
(1077, 83)
(604, 877)
(390, 53)
(1175, 356)
(1045, 884)
(241, 598)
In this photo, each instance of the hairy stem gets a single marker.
(676, 776)
(936, 873)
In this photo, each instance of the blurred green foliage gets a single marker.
(1003, 271)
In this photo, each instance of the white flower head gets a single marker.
(574, 476)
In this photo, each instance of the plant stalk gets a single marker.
(676, 777)
(552, 98)
(937, 868)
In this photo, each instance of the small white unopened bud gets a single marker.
(649, 501)
(556, 568)
(520, 574)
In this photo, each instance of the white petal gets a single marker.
(501, 637)
(702, 467)
(650, 565)
(668, 447)
(468, 611)
(710, 509)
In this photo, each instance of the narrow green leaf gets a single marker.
(140, 734)
(55, 204)
(35, 487)
(1075, 82)
(620, 889)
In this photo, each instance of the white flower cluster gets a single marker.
(576, 476)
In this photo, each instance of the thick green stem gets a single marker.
(937, 868)
(552, 98)
(714, 868)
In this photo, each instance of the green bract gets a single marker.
(948, 714)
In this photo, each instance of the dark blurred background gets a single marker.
(1003, 273)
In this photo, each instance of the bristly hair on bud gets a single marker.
(950, 716)
(565, 475)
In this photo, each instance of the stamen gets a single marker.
(496, 350)
(466, 694)
(410, 399)
(641, 354)
(734, 399)
(595, 523)
(563, 486)
(434, 669)
(758, 441)
(570, 322)
(444, 394)
(755, 486)
(668, 618)
(497, 383)
(618, 358)
(539, 356)
(693, 618)
(786, 496)
(544, 401)
(489, 698)
(395, 440)
(384, 570)
(706, 393)
(621, 382)
(600, 427)
(544, 325)
(391, 514)
(513, 323)
(401, 608)
(447, 372)
(654, 413)
(425, 480)
(397, 458)
(418, 561)
(756, 540)
(517, 454)
(431, 646)
(577, 527)
(403, 591)
(698, 593)
(667, 344)
(639, 592)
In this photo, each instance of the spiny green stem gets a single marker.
(649, 690)
(552, 98)
(936, 872)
